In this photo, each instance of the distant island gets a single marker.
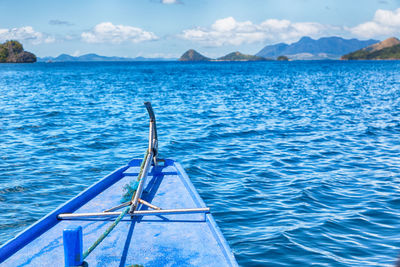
(282, 58)
(326, 48)
(13, 52)
(388, 49)
(237, 56)
(193, 55)
(97, 58)
(309, 49)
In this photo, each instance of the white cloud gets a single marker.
(49, 39)
(228, 31)
(24, 34)
(384, 24)
(107, 32)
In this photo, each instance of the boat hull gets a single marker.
(154, 240)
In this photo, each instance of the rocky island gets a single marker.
(282, 58)
(193, 55)
(388, 49)
(237, 56)
(13, 52)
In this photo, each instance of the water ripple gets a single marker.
(297, 160)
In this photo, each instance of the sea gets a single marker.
(299, 161)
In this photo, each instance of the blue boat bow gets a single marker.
(182, 233)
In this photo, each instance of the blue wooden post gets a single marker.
(72, 237)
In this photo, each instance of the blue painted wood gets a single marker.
(73, 246)
(168, 240)
(50, 220)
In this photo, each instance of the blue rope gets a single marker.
(130, 191)
(105, 234)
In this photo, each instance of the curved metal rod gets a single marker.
(153, 138)
(150, 110)
(143, 178)
(151, 156)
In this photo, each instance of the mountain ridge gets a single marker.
(391, 41)
(388, 49)
(92, 57)
(307, 48)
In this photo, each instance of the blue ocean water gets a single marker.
(298, 161)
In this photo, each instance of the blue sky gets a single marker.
(167, 28)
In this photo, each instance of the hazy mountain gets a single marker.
(308, 48)
(193, 55)
(95, 57)
(387, 49)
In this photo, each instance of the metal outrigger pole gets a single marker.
(74, 255)
(151, 155)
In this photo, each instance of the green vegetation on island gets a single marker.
(193, 55)
(237, 56)
(385, 50)
(13, 52)
(388, 49)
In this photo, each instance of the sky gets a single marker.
(167, 28)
